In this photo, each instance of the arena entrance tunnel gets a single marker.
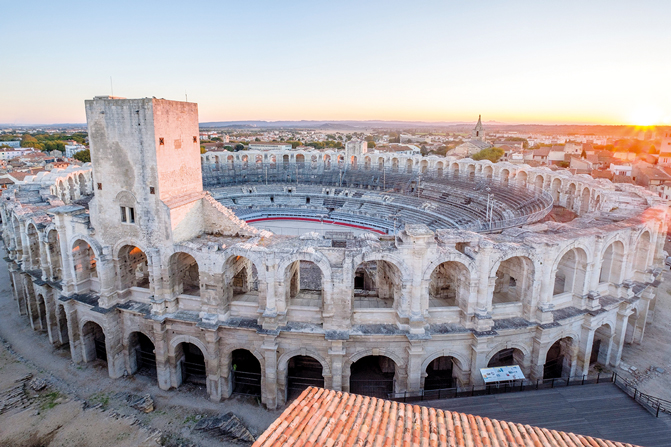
(191, 364)
(142, 355)
(373, 376)
(245, 373)
(303, 371)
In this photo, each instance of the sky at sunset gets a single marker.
(602, 62)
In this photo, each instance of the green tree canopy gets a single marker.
(239, 147)
(492, 154)
(83, 156)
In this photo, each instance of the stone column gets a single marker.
(114, 345)
(269, 387)
(107, 276)
(337, 353)
(67, 264)
(45, 264)
(620, 332)
(584, 350)
(161, 350)
(73, 331)
(415, 356)
(214, 382)
(479, 350)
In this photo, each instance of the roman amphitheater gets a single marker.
(411, 273)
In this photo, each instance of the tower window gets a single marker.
(127, 214)
(152, 190)
(195, 139)
(100, 186)
(161, 141)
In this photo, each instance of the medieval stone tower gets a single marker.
(147, 170)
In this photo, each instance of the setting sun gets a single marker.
(646, 116)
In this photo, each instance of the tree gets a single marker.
(371, 144)
(229, 148)
(83, 156)
(492, 154)
(203, 150)
(239, 147)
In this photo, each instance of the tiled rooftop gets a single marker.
(321, 417)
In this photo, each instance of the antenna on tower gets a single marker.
(186, 98)
(111, 86)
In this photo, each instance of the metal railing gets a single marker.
(501, 388)
(653, 404)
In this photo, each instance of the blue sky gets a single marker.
(511, 61)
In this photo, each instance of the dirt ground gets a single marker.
(82, 406)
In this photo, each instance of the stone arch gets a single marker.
(132, 267)
(555, 189)
(34, 249)
(183, 338)
(54, 250)
(283, 360)
(504, 175)
(82, 184)
(521, 178)
(375, 375)
(514, 280)
(449, 285)
(642, 252)
(84, 263)
(602, 344)
(376, 284)
(42, 312)
(612, 263)
(560, 357)
(571, 196)
(488, 172)
(184, 274)
(523, 352)
(241, 279)
(358, 355)
(464, 362)
(72, 189)
(570, 270)
(584, 200)
(94, 340)
(539, 181)
(141, 353)
(247, 372)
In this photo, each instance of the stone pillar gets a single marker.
(67, 266)
(620, 332)
(45, 264)
(114, 345)
(225, 371)
(214, 381)
(415, 356)
(73, 331)
(107, 276)
(337, 353)
(161, 350)
(479, 350)
(269, 386)
(584, 350)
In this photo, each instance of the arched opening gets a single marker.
(303, 371)
(33, 312)
(54, 247)
(327, 162)
(367, 163)
(455, 169)
(142, 355)
(72, 188)
(341, 161)
(244, 283)
(62, 324)
(449, 285)
(506, 357)
(285, 161)
(556, 188)
(424, 166)
(245, 373)
(313, 162)
(133, 268)
(86, 275)
(190, 363)
(376, 285)
(42, 312)
(505, 176)
(93, 342)
(273, 162)
(471, 172)
(601, 346)
(441, 373)
(570, 196)
(394, 165)
(82, 185)
(584, 201)
(372, 376)
(489, 172)
(230, 162)
(408, 166)
(570, 275)
(631, 331)
(33, 246)
(521, 178)
(558, 359)
(216, 163)
(305, 280)
(17, 236)
(354, 162)
(611, 264)
(380, 164)
(184, 275)
(538, 182)
(642, 253)
(439, 168)
(514, 279)
(300, 161)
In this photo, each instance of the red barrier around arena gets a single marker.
(307, 219)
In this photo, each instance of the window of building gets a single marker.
(127, 214)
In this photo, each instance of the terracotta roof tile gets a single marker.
(326, 418)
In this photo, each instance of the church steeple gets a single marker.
(478, 132)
